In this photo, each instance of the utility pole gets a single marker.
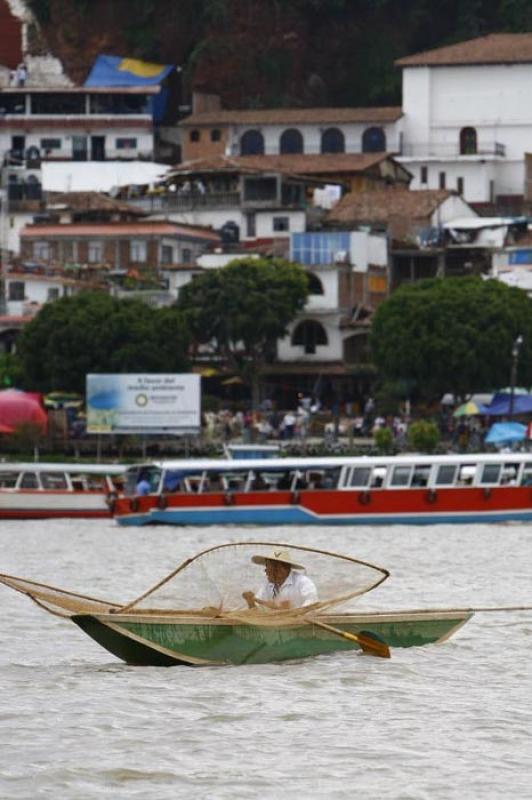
(516, 347)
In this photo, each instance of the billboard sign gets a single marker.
(143, 403)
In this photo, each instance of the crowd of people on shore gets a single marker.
(310, 420)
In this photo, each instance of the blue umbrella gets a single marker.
(505, 432)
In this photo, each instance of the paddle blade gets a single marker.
(372, 644)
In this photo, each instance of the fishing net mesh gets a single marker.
(212, 584)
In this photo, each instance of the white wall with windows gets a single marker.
(67, 142)
(312, 338)
(313, 138)
(468, 121)
(278, 223)
(24, 290)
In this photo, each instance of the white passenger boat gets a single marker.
(40, 491)
(407, 489)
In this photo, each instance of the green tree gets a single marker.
(242, 310)
(93, 332)
(423, 436)
(452, 335)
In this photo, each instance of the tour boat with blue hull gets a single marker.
(196, 615)
(47, 491)
(409, 489)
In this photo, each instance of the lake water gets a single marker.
(444, 721)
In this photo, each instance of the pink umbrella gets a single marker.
(17, 408)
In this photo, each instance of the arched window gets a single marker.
(291, 141)
(373, 140)
(309, 334)
(468, 142)
(315, 286)
(332, 141)
(252, 144)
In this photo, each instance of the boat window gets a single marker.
(194, 483)
(213, 482)
(54, 480)
(466, 475)
(315, 479)
(360, 476)
(29, 480)
(95, 483)
(266, 481)
(234, 481)
(330, 478)
(377, 479)
(490, 473)
(79, 483)
(401, 476)
(8, 480)
(446, 475)
(285, 481)
(509, 474)
(298, 480)
(421, 475)
(526, 479)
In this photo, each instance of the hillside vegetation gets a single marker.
(258, 53)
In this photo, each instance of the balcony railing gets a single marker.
(452, 150)
(186, 202)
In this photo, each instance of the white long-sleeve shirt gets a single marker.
(297, 589)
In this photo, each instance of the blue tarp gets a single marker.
(118, 71)
(505, 432)
(500, 405)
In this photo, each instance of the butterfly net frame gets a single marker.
(211, 585)
(58, 601)
(213, 582)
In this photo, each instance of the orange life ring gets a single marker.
(364, 498)
(431, 496)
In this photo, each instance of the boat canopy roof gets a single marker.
(188, 466)
(39, 466)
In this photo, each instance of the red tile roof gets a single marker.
(295, 116)
(297, 164)
(496, 48)
(119, 229)
(380, 206)
(91, 201)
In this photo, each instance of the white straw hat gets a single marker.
(283, 556)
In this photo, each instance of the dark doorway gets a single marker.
(97, 148)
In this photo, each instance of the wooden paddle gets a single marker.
(369, 642)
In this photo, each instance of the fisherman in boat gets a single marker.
(284, 587)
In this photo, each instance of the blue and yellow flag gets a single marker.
(117, 71)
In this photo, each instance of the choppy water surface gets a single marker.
(447, 721)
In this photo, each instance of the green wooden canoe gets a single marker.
(166, 640)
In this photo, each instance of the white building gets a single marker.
(76, 123)
(347, 271)
(468, 116)
(465, 122)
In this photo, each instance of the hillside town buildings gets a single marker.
(364, 198)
